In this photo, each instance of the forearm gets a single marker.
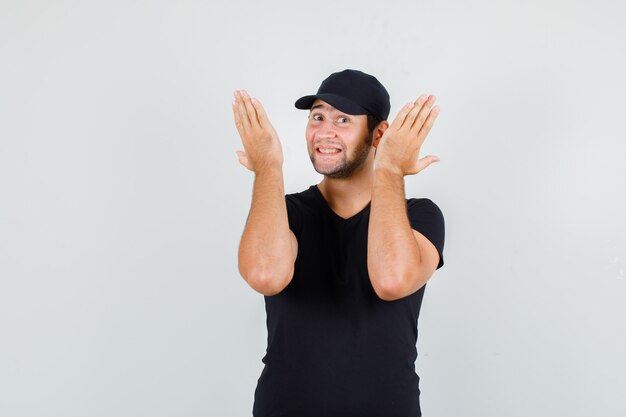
(393, 256)
(265, 250)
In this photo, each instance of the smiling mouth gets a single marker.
(327, 151)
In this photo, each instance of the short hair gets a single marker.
(372, 123)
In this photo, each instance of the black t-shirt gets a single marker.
(334, 347)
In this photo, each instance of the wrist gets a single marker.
(387, 179)
(269, 169)
(387, 169)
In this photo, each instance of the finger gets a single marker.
(241, 109)
(421, 102)
(252, 116)
(424, 113)
(426, 161)
(399, 120)
(243, 159)
(417, 105)
(237, 117)
(260, 112)
(432, 116)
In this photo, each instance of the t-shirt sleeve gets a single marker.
(426, 217)
(294, 214)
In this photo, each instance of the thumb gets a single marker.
(243, 159)
(426, 161)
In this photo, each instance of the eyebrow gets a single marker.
(329, 109)
(321, 105)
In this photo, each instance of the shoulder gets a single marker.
(423, 205)
(426, 217)
(301, 201)
(301, 206)
(302, 197)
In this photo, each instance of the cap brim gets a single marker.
(338, 102)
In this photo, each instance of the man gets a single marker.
(343, 264)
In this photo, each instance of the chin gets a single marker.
(337, 172)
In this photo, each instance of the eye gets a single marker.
(316, 117)
(343, 120)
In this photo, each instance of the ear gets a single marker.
(379, 131)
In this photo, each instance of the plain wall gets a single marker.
(122, 201)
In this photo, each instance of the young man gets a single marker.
(342, 264)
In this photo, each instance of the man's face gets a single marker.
(338, 143)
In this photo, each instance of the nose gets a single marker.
(326, 130)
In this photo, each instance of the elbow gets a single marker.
(396, 286)
(388, 292)
(266, 282)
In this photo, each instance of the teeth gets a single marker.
(328, 150)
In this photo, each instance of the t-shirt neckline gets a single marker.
(332, 212)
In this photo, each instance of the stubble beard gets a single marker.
(344, 168)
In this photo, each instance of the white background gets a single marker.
(122, 201)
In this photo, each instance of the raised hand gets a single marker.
(261, 145)
(399, 148)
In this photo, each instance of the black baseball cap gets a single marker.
(352, 92)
